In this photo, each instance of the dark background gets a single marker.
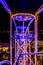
(15, 6)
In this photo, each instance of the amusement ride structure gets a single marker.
(23, 36)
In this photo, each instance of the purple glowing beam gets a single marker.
(31, 53)
(15, 24)
(29, 24)
(39, 10)
(5, 6)
(5, 62)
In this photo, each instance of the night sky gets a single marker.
(18, 6)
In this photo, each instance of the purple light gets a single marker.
(22, 17)
(39, 10)
(5, 62)
(5, 6)
(19, 37)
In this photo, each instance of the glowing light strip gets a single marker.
(20, 27)
(5, 61)
(15, 24)
(11, 41)
(22, 14)
(31, 53)
(39, 10)
(29, 24)
(5, 6)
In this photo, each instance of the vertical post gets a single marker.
(11, 40)
(24, 60)
(29, 52)
(15, 51)
(35, 38)
(26, 44)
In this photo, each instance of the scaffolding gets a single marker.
(22, 36)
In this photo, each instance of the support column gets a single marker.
(24, 57)
(11, 41)
(29, 52)
(15, 51)
(35, 38)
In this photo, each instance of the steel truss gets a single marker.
(21, 52)
(23, 37)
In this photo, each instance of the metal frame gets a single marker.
(35, 29)
(35, 37)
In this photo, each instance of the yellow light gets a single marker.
(0, 48)
(36, 17)
(22, 14)
(4, 49)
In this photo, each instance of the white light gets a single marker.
(23, 40)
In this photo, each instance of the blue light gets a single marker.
(5, 6)
(5, 62)
(22, 17)
(26, 37)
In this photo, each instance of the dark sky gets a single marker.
(18, 6)
(24, 5)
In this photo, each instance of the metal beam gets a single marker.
(15, 24)
(5, 6)
(39, 10)
(29, 24)
(31, 53)
(11, 41)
